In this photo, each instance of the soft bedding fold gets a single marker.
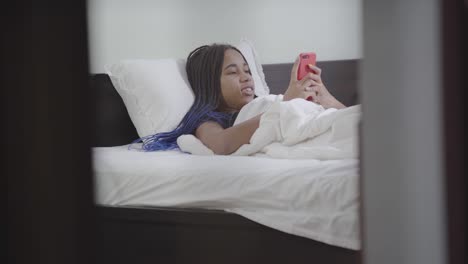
(296, 129)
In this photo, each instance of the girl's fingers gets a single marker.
(309, 96)
(294, 69)
(314, 90)
(316, 69)
(313, 76)
(316, 85)
(313, 97)
(307, 83)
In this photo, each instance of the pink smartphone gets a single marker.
(304, 60)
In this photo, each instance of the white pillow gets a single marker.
(157, 93)
(247, 49)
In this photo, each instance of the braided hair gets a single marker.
(203, 67)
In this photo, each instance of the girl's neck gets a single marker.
(226, 109)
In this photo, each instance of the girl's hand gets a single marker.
(297, 88)
(310, 87)
(320, 94)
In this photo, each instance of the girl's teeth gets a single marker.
(247, 91)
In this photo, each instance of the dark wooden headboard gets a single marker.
(114, 127)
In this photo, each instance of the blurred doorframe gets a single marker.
(414, 131)
(454, 55)
(47, 138)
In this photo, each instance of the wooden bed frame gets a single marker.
(174, 235)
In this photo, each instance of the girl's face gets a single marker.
(237, 86)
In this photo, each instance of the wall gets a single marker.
(124, 29)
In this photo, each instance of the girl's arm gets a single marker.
(226, 141)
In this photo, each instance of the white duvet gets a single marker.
(296, 129)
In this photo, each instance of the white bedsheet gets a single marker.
(310, 198)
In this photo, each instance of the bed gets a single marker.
(132, 230)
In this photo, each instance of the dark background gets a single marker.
(49, 110)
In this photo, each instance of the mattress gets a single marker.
(310, 198)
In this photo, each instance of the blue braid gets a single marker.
(204, 68)
(197, 114)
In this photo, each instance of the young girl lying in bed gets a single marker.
(222, 84)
